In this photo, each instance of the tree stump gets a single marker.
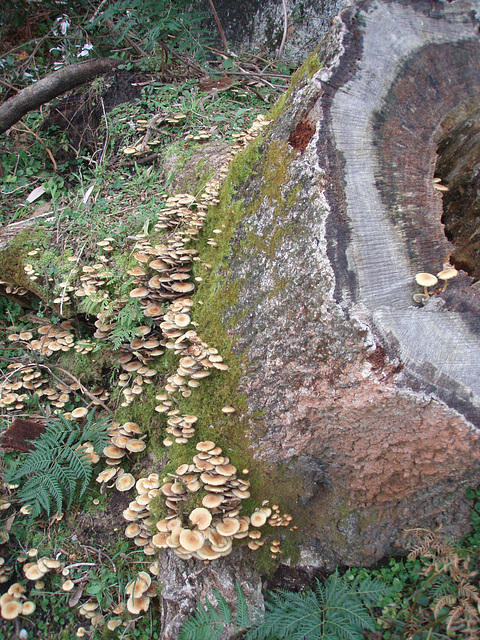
(369, 400)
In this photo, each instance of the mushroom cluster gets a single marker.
(15, 603)
(197, 361)
(427, 280)
(26, 380)
(139, 592)
(94, 277)
(92, 612)
(135, 359)
(124, 439)
(5, 569)
(138, 513)
(13, 289)
(51, 338)
(206, 532)
(37, 570)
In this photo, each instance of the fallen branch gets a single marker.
(52, 86)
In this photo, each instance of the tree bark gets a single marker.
(371, 401)
(52, 86)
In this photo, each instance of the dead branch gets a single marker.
(52, 86)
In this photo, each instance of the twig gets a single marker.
(104, 149)
(285, 28)
(28, 130)
(97, 11)
(80, 564)
(217, 20)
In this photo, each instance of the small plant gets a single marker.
(208, 621)
(335, 610)
(446, 600)
(59, 468)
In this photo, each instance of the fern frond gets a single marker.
(242, 617)
(445, 601)
(223, 607)
(334, 611)
(58, 468)
(200, 626)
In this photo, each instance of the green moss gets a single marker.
(302, 75)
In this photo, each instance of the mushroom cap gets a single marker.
(228, 527)
(258, 519)
(80, 412)
(34, 573)
(113, 623)
(159, 540)
(447, 274)
(51, 563)
(191, 540)
(16, 590)
(207, 553)
(183, 287)
(137, 586)
(132, 427)
(136, 605)
(10, 610)
(227, 470)
(212, 500)
(214, 480)
(125, 482)
(139, 292)
(106, 475)
(200, 517)
(425, 279)
(135, 445)
(228, 409)
(132, 530)
(112, 451)
(28, 607)
(206, 445)
(68, 585)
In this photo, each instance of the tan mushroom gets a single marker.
(11, 610)
(191, 540)
(79, 413)
(426, 280)
(446, 275)
(200, 517)
(28, 608)
(258, 519)
(125, 482)
(228, 527)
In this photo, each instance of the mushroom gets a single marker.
(191, 540)
(125, 482)
(426, 280)
(228, 527)
(28, 608)
(200, 517)
(258, 519)
(446, 275)
(11, 610)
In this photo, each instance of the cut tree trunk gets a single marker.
(54, 85)
(368, 398)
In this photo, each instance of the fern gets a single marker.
(126, 324)
(208, 622)
(242, 618)
(58, 469)
(336, 610)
